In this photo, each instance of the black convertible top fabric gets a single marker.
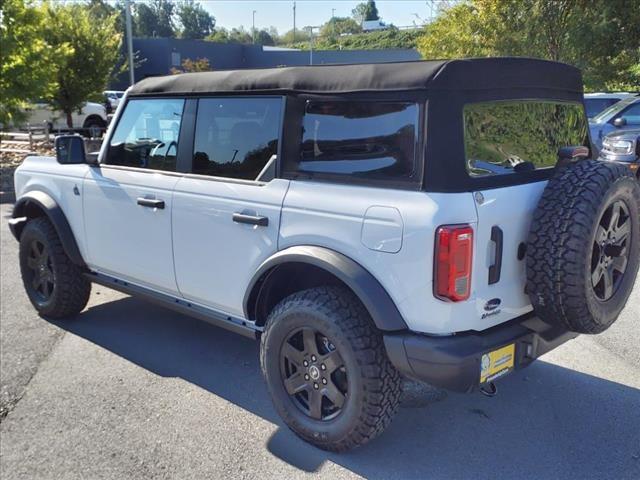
(465, 74)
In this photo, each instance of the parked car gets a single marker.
(623, 115)
(92, 117)
(624, 148)
(362, 221)
(113, 98)
(596, 102)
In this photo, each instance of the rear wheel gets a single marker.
(55, 285)
(583, 251)
(327, 370)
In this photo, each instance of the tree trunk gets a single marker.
(69, 119)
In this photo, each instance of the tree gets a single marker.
(264, 38)
(219, 35)
(90, 56)
(28, 61)
(339, 26)
(196, 22)
(235, 35)
(365, 12)
(154, 19)
(600, 38)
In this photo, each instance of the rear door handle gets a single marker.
(251, 219)
(496, 268)
(150, 202)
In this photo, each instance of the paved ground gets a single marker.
(128, 390)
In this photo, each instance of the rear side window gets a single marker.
(236, 137)
(147, 134)
(512, 137)
(367, 140)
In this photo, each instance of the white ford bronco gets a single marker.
(440, 220)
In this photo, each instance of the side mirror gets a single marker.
(70, 149)
(571, 154)
(620, 122)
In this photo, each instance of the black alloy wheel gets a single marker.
(314, 374)
(610, 250)
(40, 276)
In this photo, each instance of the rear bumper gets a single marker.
(453, 362)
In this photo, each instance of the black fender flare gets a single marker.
(56, 216)
(367, 288)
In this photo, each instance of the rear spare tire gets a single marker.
(584, 246)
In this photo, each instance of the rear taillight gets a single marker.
(454, 252)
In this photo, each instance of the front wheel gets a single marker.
(54, 284)
(327, 370)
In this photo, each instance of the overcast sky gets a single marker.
(279, 13)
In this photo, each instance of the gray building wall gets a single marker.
(156, 56)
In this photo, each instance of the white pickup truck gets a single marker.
(92, 116)
(439, 220)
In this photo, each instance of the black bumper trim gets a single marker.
(453, 362)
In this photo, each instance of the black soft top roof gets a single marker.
(465, 74)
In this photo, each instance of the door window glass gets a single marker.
(147, 134)
(237, 137)
(512, 137)
(632, 114)
(370, 140)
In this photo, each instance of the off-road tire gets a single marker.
(71, 290)
(374, 384)
(560, 246)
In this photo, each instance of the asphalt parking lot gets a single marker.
(129, 390)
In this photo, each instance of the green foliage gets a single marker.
(240, 35)
(365, 12)
(154, 19)
(196, 22)
(28, 60)
(339, 26)
(91, 50)
(379, 39)
(503, 134)
(601, 38)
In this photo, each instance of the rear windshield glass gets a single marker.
(367, 140)
(510, 137)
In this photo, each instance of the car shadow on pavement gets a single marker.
(547, 421)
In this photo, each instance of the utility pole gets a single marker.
(127, 14)
(294, 22)
(310, 30)
(253, 29)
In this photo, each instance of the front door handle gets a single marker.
(251, 219)
(150, 202)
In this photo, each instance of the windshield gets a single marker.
(605, 114)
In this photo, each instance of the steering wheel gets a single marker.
(173, 143)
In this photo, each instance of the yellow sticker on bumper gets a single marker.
(497, 363)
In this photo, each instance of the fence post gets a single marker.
(30, 138)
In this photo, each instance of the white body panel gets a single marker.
(511, 209)
(127, 240)
(332, 216)
(45, 174)
(215, 258)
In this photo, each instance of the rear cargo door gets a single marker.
(499, 278)
(511, 148)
